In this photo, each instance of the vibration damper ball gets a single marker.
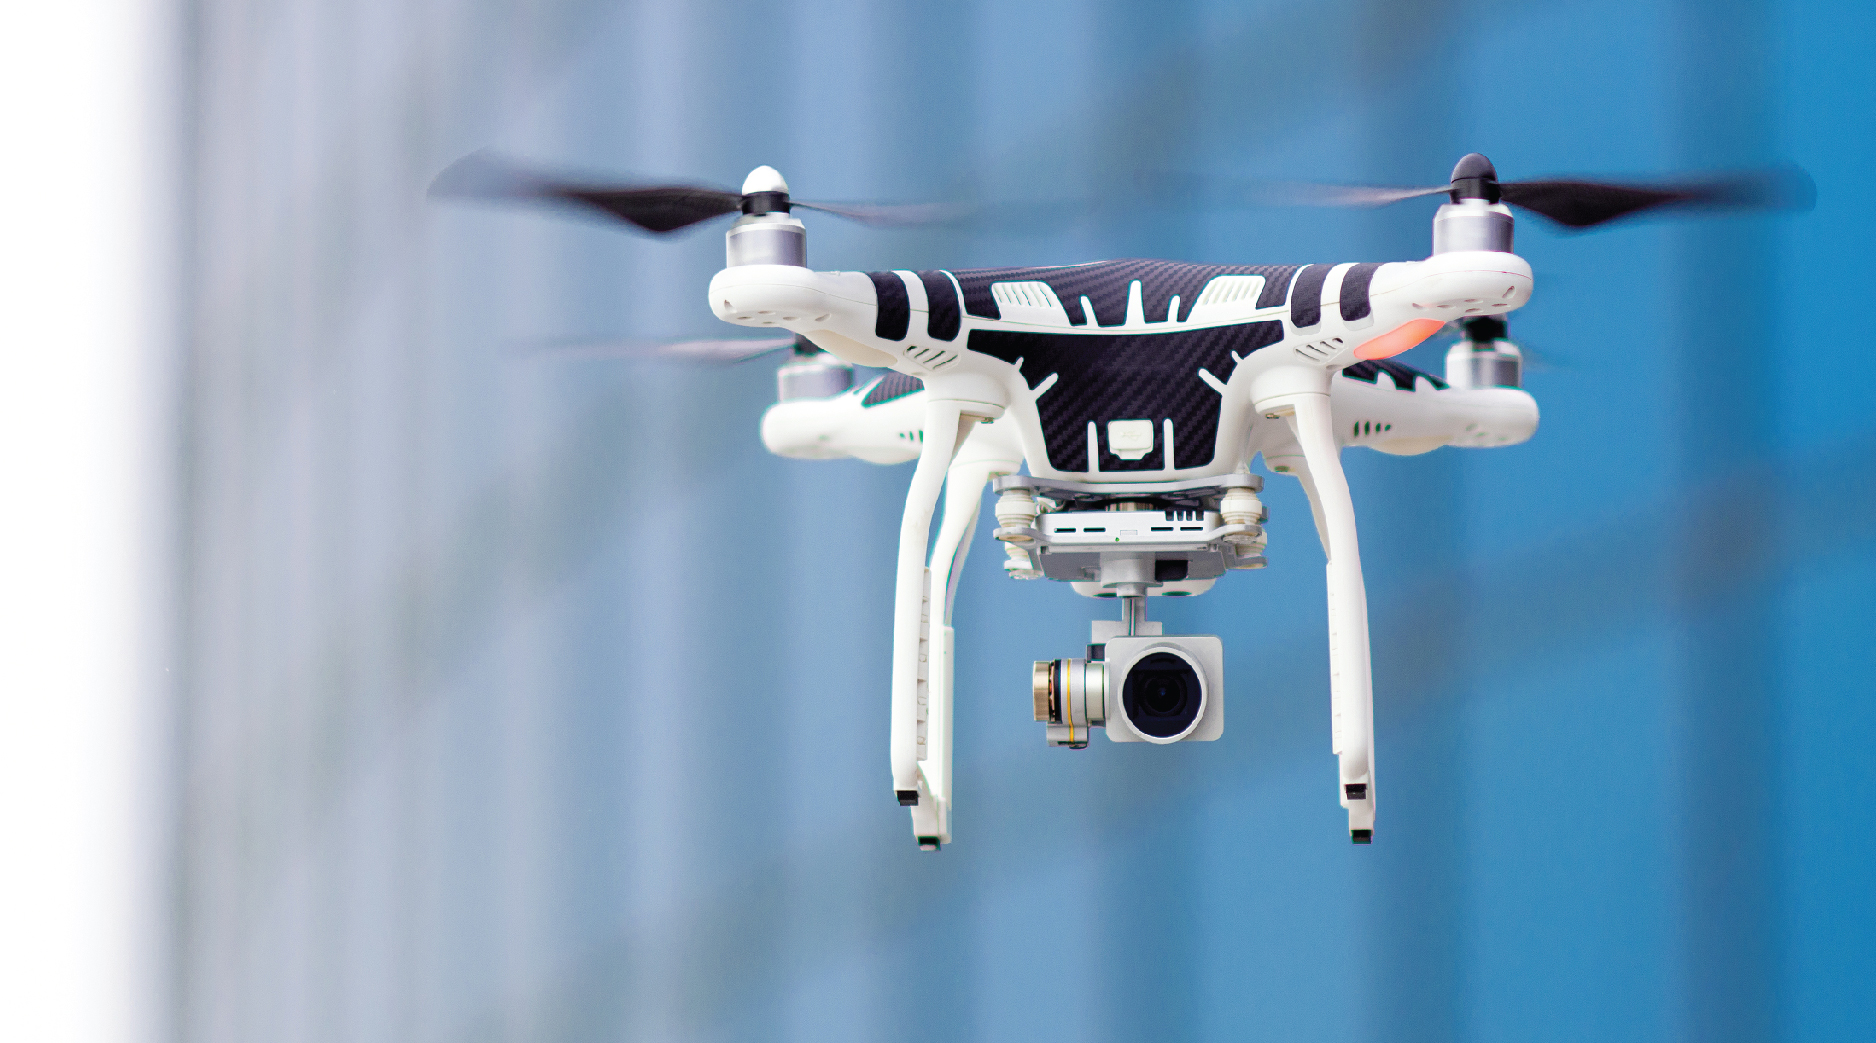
(1016, 522)
(1018, 564)
(1242, 507)
(1016, 509)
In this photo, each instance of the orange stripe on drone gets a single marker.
(1399, 339)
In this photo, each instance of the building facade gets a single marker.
(518, 695)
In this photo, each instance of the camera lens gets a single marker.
(1162, 696)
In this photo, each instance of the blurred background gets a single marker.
(375, 672)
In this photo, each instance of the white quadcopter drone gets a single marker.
(1136, 394)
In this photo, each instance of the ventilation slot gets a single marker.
(1227, 296)
(1024, 295)
(1230, 289)
(1032, 302)
(933, 358)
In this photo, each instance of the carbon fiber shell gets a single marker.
(1128, 376)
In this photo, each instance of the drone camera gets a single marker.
(1169, 688)
(1154, 688)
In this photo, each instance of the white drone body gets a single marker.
(1116, 408)
(1138, 391)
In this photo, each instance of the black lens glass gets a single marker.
(1161, 695)
(1165, 696)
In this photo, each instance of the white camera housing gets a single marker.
(1143, 660)
(1145, 687)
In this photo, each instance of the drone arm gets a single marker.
(946, 424)
(1351, 682)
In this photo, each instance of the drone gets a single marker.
(1115, 409)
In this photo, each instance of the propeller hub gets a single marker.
(776, 238)
(765, 203)
(1474, 177)
(764, 179)
(765, 192)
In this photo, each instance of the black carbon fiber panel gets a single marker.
(895, 385)
(941, 297)
(1355, 291)
(1276, 286)
(895, 306)
(1142, 376)
(1306, 299)
(1403, 375)
(1106, 283)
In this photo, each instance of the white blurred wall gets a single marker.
(81, 199)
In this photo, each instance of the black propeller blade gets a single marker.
(1585, 204)
(665, 208)
(1572, 202)
(890, 215)
(655, 208)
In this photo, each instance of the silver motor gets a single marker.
(1475, 219)
(1485, 359)
(811, 373)
(1472, 224)
(766, 234)
(771, 238)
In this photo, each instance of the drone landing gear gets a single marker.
(965, 467)
(1351, 682)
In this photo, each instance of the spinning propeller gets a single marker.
(661, 208)
(727, 352)
(1572, 202)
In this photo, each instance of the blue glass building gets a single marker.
(520, 695)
